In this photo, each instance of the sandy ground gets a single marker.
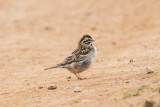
(35, 34)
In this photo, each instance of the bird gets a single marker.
(81, 58)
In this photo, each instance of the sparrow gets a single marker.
(80, 59)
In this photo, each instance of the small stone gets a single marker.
(77, 89)
(106, 90)
(40, 87)
(48, 28)
(148, 104)
(28, 83)
(143, 77)
(52, 87)
(127, 81)
(113, 43)
(67, 87)
(149, 70)
(68, 77)
(131, 60)
(93, 28)
(88, 13)
(118, 59)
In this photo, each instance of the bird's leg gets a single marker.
(78, 76)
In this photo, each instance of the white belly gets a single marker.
(93, 55)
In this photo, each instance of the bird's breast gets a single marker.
(93, 54)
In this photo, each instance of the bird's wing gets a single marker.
(76, 56)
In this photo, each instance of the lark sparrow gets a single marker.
(81, 58)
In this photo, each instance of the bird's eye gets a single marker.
(86, 42)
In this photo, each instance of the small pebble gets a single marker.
(149, 70)
(148, 104)
(52, 87)
(28, 84)
(93, 28)
(127, 81)
(67, 87)
(40, 87)
(48, 28)
(68, 77)
(88, 13)
(131, 60)
(77, 89)
(113, 43)
(143, 77)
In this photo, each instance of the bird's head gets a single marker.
(86, 41)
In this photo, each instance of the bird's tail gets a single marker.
(51, 68)
(57, 66)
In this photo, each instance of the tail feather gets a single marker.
(51, 68)
(57, 66)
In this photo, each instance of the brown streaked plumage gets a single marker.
(81, 58)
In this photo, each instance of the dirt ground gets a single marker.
(36, 34)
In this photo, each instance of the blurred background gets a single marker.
(37, 24)
(35, 34)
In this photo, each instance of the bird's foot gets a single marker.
(80, 79)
